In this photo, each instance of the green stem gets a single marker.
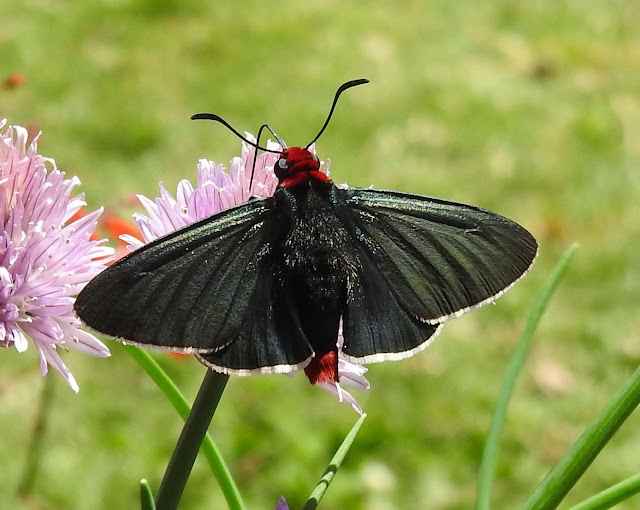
(209, 448)
(566, 473)
(34, 452)
(611, 496)
(492, 446)
(186, 450)
(146, 496)
(333, 467)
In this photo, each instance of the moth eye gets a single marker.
(281, 168)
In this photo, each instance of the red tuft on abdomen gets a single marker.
(323, 368)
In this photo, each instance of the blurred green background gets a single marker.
(531, 109)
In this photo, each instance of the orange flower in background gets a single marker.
(14, 80)
(115, 226)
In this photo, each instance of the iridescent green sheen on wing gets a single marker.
(440, 258)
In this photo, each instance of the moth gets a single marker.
(264, 287)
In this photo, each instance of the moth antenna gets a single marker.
(341, 89)
(217, 118)
(255, 156)
(280, 140)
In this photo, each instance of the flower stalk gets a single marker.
(610, 497)
(36, 443)
(186, 450)
(571, 467)
(209, 449)
(329, 473)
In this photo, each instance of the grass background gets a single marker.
(531, 109)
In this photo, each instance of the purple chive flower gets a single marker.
(282, 504)
(216, 191)
(45, 256)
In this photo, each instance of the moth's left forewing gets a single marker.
(440, 258)
(188, 291)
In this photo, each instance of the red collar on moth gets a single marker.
(298, 165)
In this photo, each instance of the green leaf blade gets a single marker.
(492, 445)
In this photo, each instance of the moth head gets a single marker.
(294, 161)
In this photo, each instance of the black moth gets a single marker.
(263, 287)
